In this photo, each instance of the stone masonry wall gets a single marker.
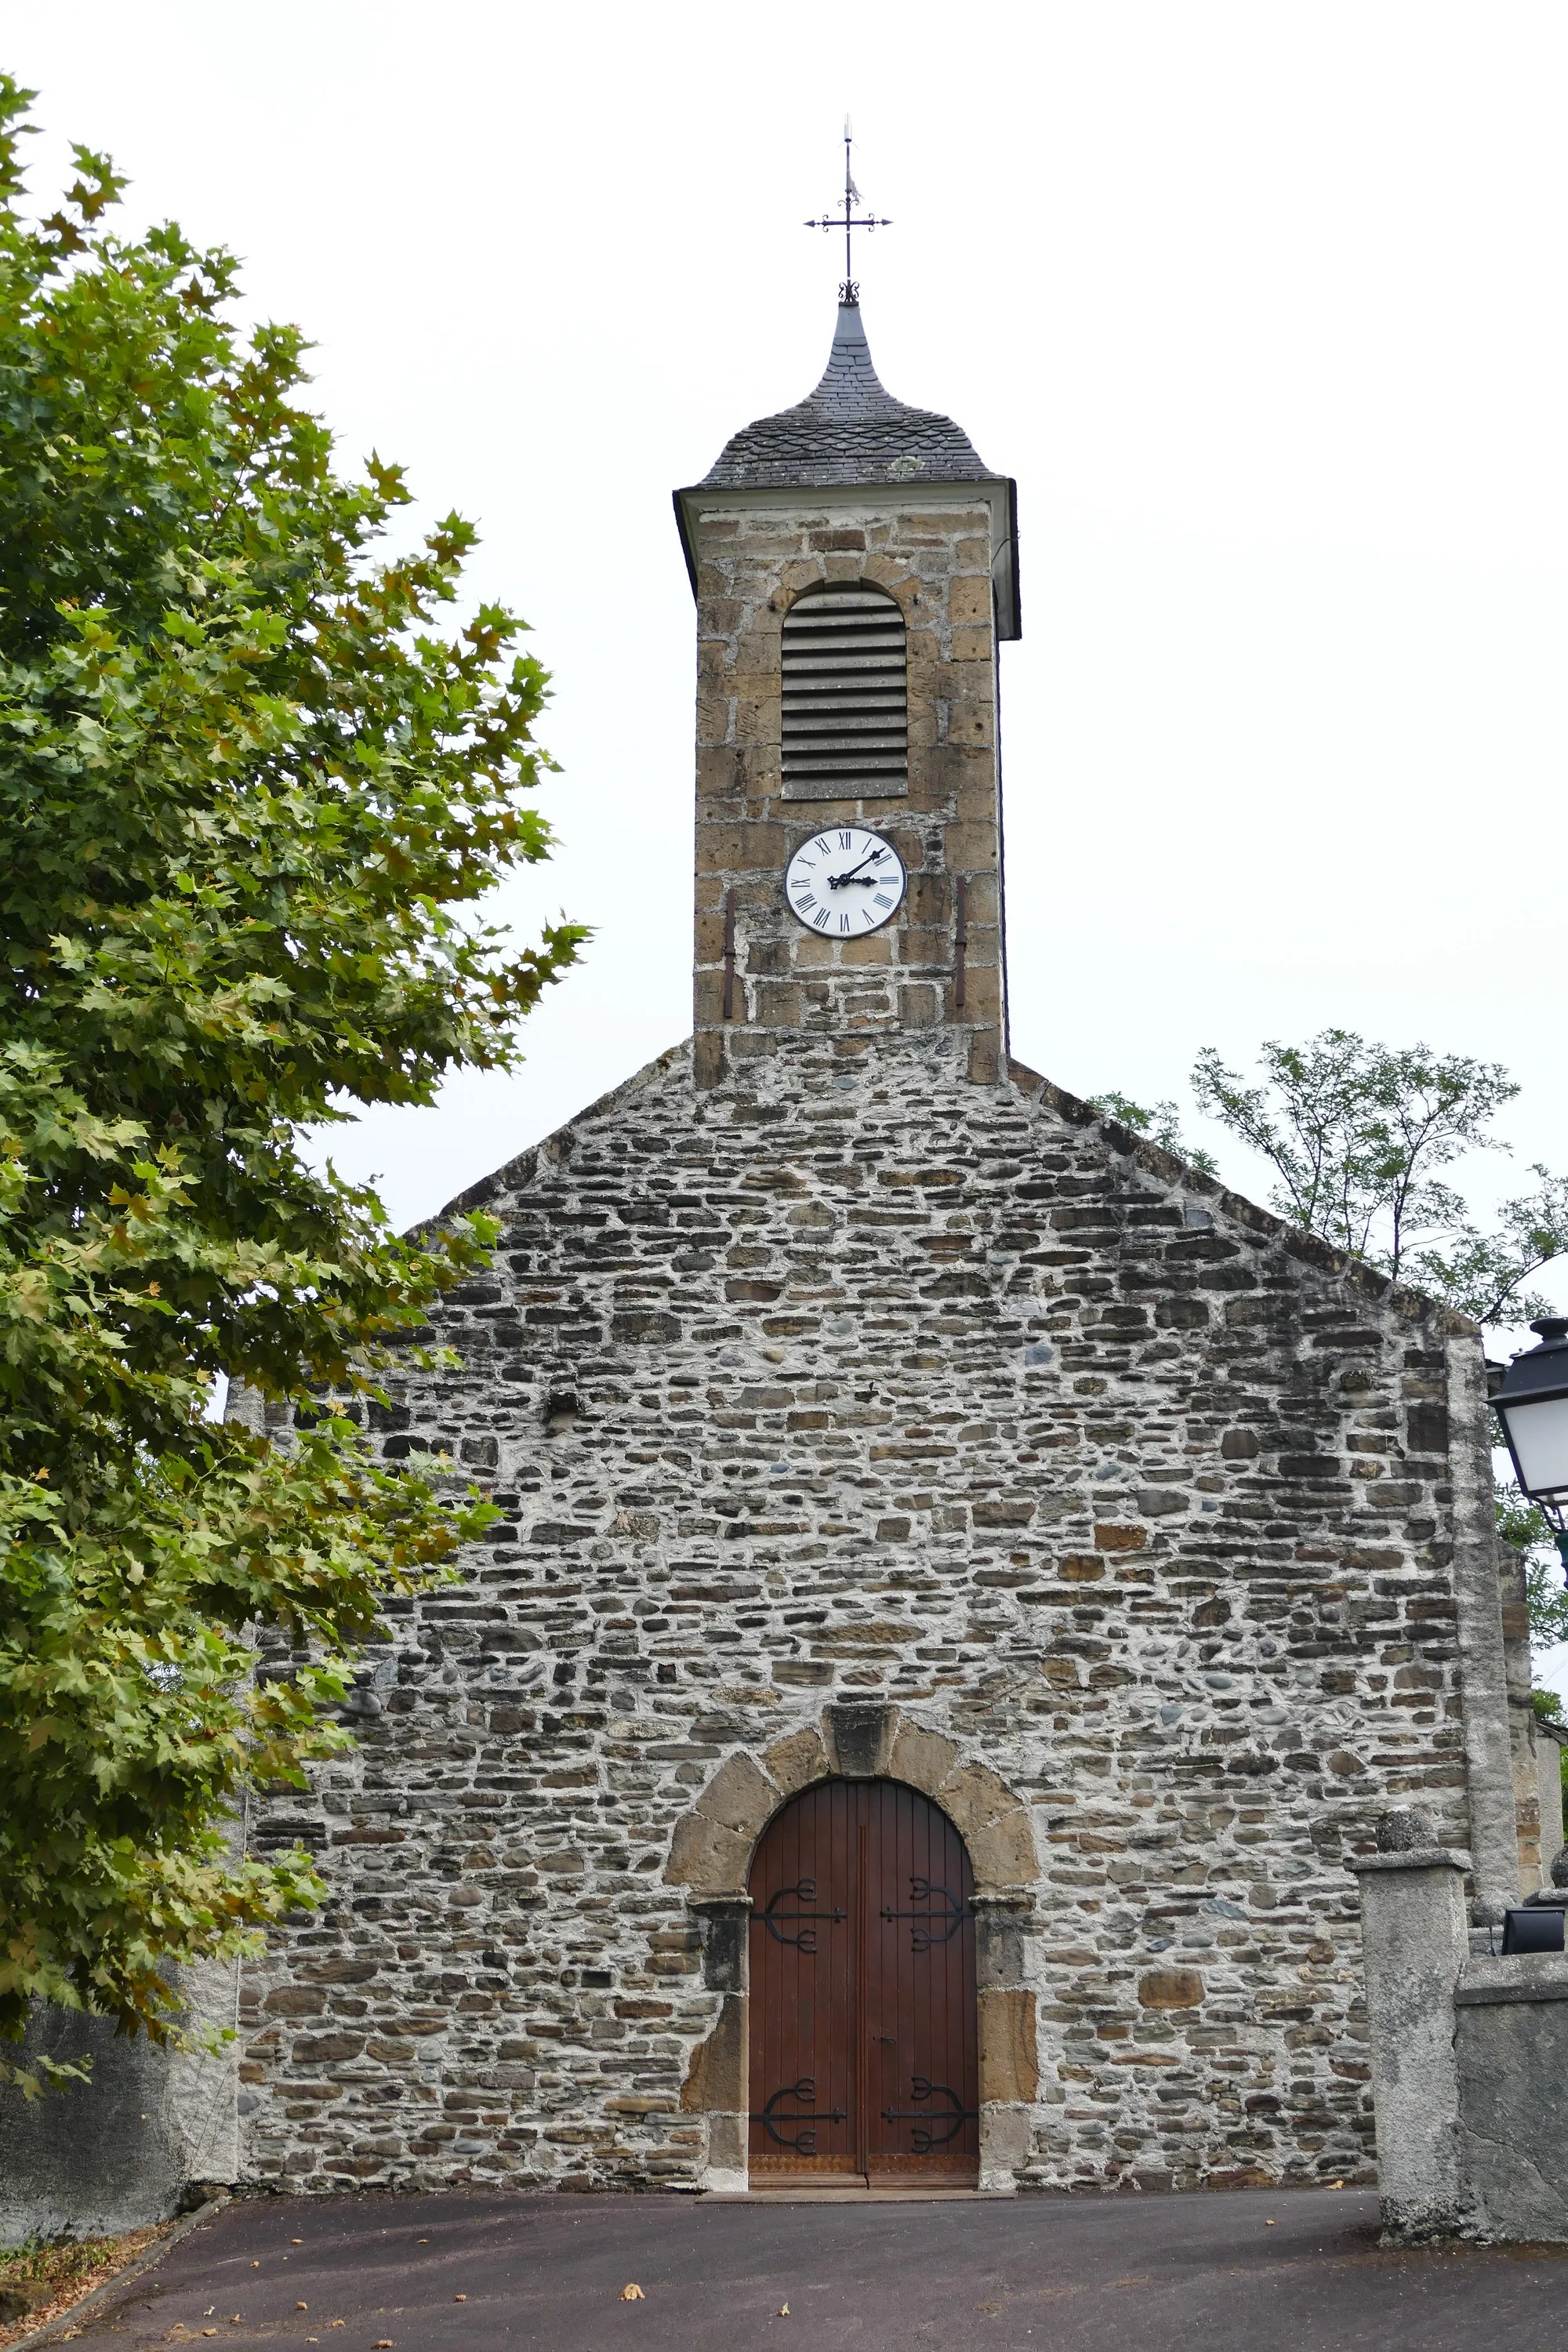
(862, 1381)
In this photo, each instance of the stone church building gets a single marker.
(966, 1584)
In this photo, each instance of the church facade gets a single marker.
(966, 1584)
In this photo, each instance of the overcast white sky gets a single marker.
(1263, 305)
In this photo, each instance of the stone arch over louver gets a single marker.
(711, 1856)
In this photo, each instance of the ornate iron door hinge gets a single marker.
(776, 1921)
(925, 2137)
(951, 1917)
(805, 2142)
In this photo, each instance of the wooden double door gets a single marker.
(863, 2059)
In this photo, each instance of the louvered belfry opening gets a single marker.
(846, 710)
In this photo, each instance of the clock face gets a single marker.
(845, 882)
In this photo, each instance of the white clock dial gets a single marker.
(845, 882)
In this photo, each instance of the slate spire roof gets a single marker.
(849, 430)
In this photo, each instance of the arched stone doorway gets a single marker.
(864, 2066)
(711, 1853)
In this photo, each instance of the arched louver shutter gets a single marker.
(846, 716)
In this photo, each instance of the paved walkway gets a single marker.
(1228, 2273)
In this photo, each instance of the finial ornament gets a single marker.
(843, 217)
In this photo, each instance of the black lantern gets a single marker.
(1530, 1401)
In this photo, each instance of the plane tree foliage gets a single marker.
(257, 777)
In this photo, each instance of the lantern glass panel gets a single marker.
(1538, 1436)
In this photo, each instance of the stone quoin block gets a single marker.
(716, 2076)
(1009, 2056)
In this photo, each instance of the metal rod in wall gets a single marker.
(729, 955)
(960, 941)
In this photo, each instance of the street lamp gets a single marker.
(1530, 1401)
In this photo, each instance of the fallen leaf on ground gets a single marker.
(382, 2344)
(301, 2306)
(632, 2294)
(459, 2298)
(783, 2311)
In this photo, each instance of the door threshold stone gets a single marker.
(858, 2193)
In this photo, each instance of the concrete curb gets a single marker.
(52, 2329)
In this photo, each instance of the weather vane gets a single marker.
(849, 292)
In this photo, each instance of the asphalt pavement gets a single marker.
(1230, 2271)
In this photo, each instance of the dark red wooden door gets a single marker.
(863, 2021)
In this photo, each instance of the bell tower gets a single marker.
(854, 566)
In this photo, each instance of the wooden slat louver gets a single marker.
(845, 728)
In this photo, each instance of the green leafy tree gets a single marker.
(1523, 1525)
(1358, 1134)
(253, 788)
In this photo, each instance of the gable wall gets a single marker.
(865, 1383)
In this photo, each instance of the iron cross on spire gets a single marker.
(849, 292)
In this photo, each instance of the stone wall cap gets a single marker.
(1415, 1857)
(1522, 1976)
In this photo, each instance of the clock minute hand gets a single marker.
(837, 881)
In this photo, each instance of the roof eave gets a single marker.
(683, 526)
